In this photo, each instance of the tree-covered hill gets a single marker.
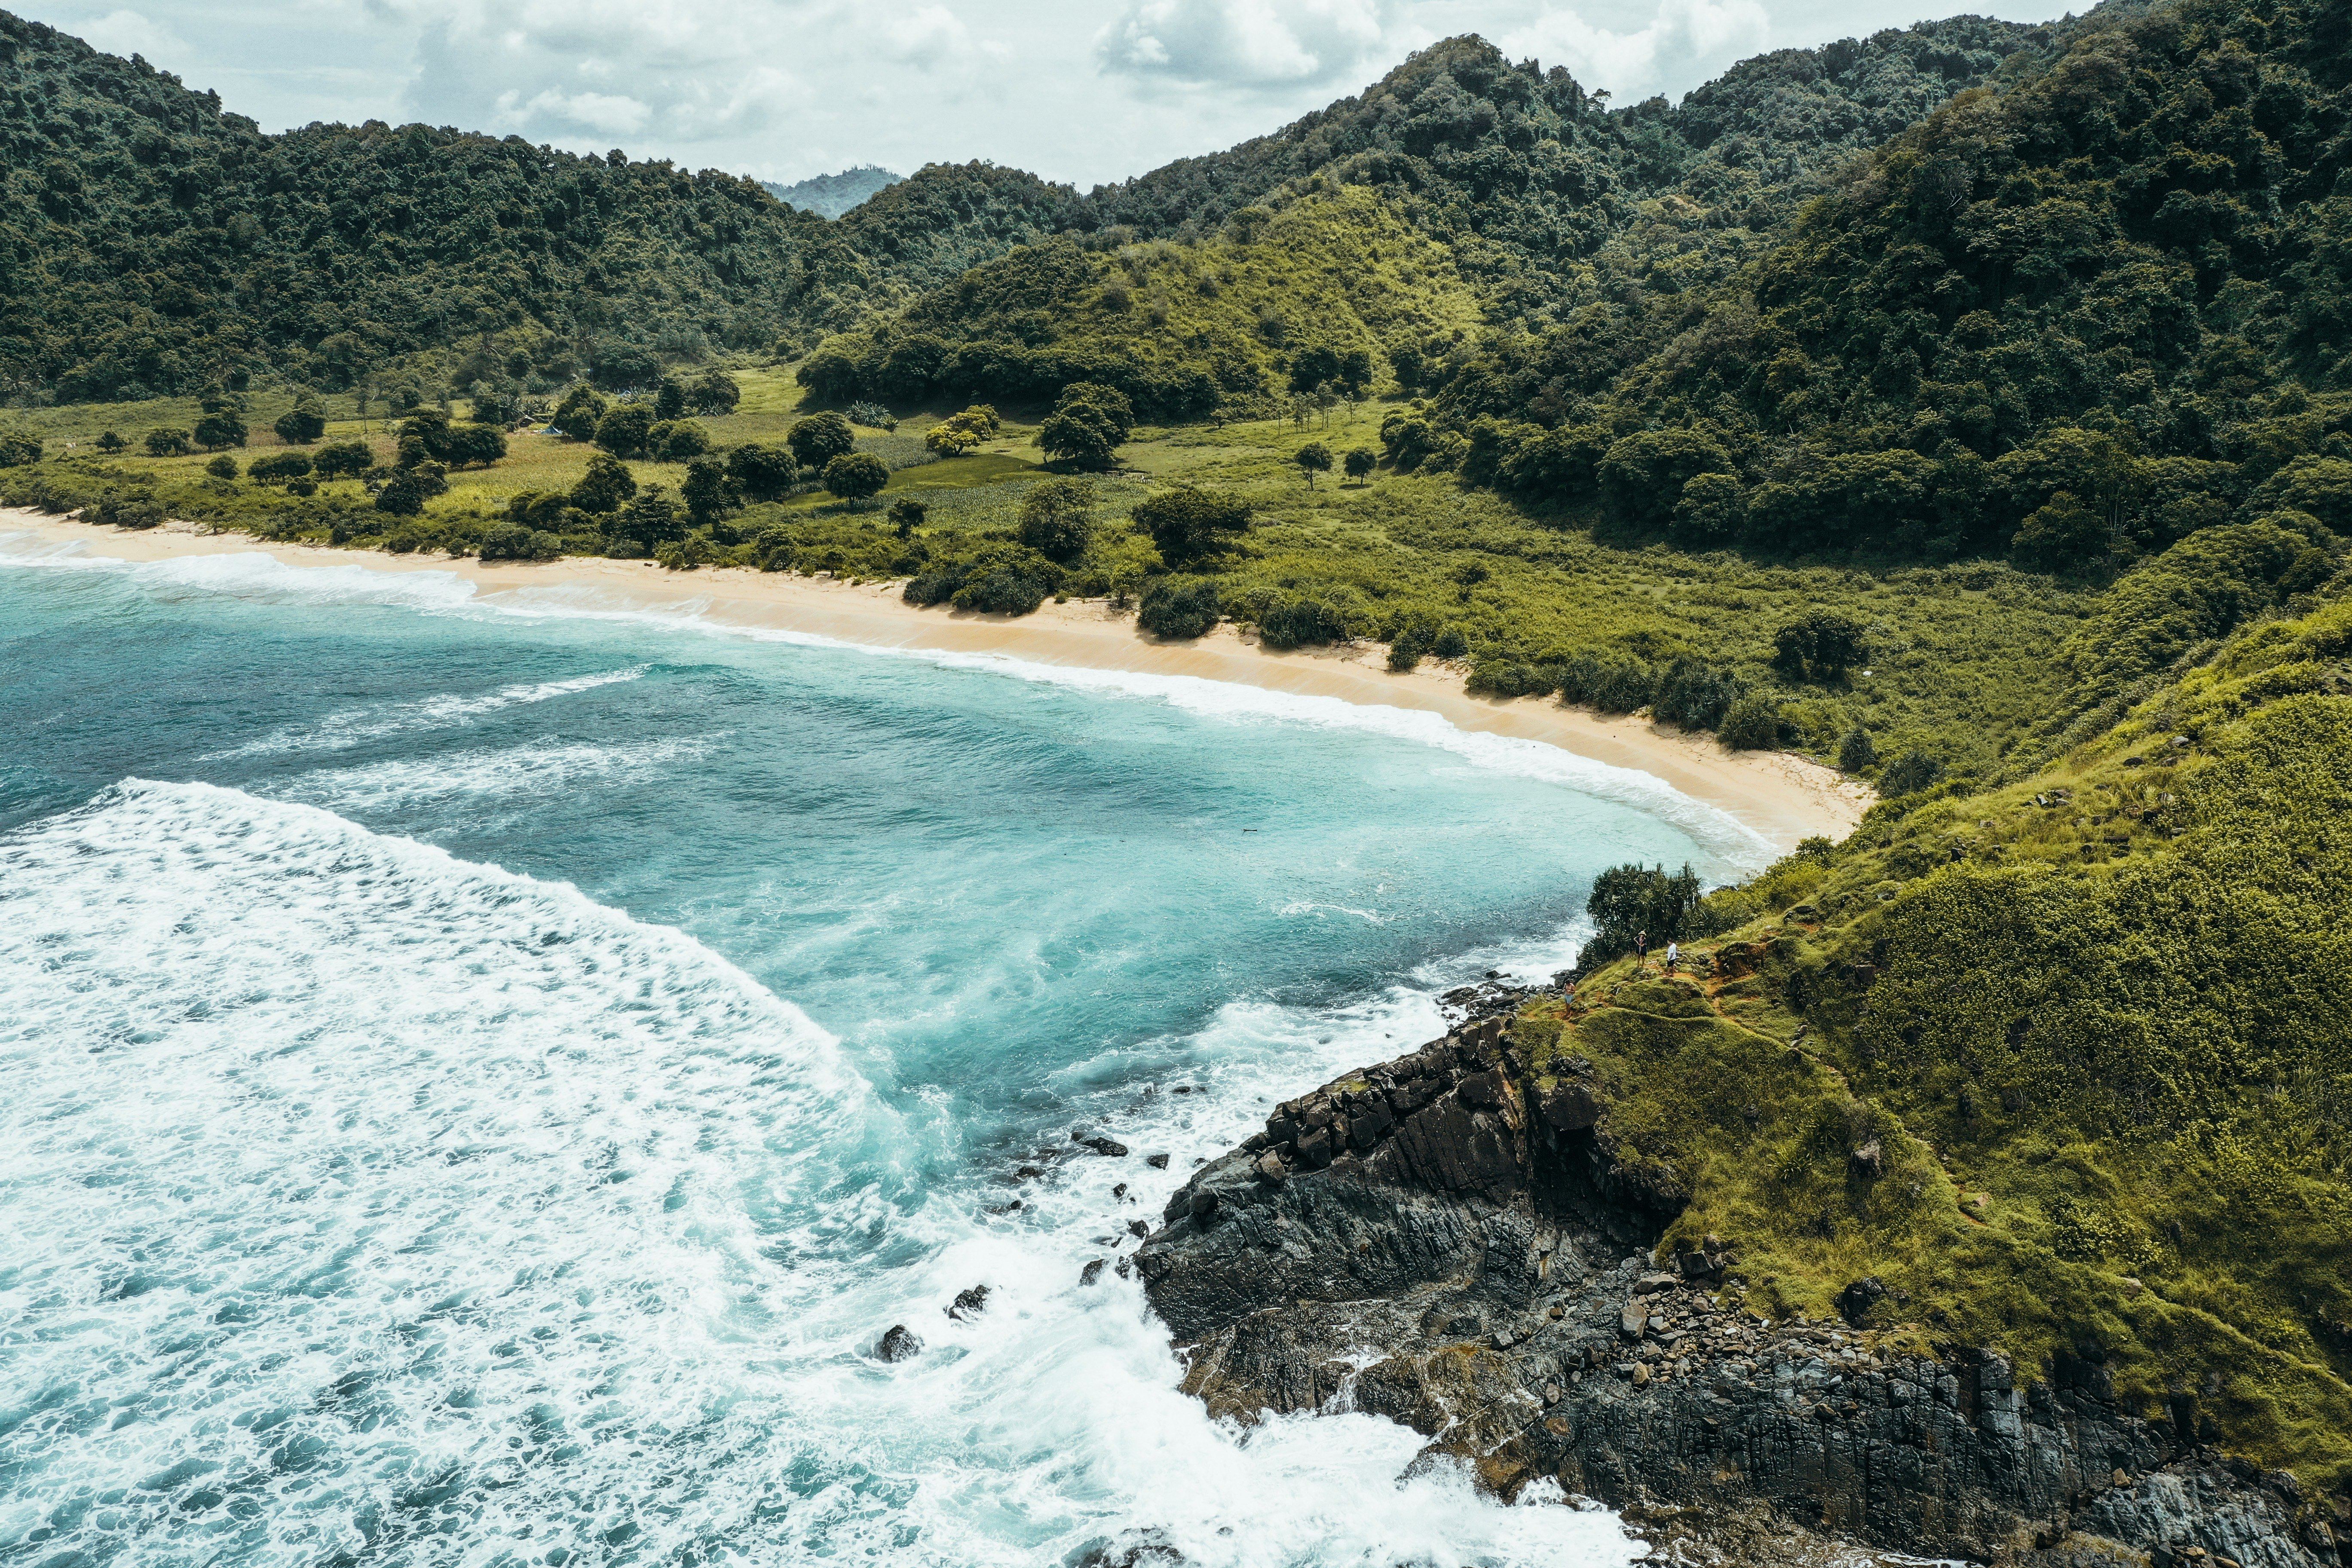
(153, 243)
(830, 196)
(2078, 317)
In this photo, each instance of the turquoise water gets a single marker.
(479, 1077)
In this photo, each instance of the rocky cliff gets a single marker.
(1440, 1241)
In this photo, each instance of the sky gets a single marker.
(1086, 91)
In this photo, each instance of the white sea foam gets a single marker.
(537, 770)
(366, 1201)
(339, 732)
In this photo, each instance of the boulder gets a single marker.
(968, 1304)
(898, 1343)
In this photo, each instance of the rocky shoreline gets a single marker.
(1440, 1240)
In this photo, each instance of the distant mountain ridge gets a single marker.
(830, 196)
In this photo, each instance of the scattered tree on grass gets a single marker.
(1820, 644)
(762, 473)
(818, 439)
(626, 430)
(344, 460)
(1628, 902)
(605, 485)
(112, 442)
(1089, 424)
(579, 413)
(1313, 458)
(853, 476)
(960, 433)
(670, 401)
(302, 424)
(219, 430)
(907, 514)
(164, 442)
(709, 493)
(1360, 463)
(222, 468)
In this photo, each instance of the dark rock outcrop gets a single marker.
(898, 1343)
(1442, 1240)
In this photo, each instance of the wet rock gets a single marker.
(1136, 1228)
(1158, 1161)
(968, 1304)
(1110, 1146)
(1854, 1302)
(898, 1343)
(1028, 1173)
(1093, 1270)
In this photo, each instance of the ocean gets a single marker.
(481, 1076)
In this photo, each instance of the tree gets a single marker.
(1856, 752)
(344, 460)
(670, 401)
(1313, 458)
(403, 495)
(707, 492)
(652, 519)
(678, 440)
(165, 442)
(474, 445)
(2063, 535)
(1751, 724)
(302, 424)
(818, 439)
(605, 485)
(222, 468)
(18, 447)
(715, 394)
(1629, 902)
(626, 430)
(907, 514)
(762, 473)
(960, 433)
(579, 413)
(1088, 423)
(1188, 524)
(853, 476)
(215, 431)
(1819, 645)
(1058, 518)
(112, 442)
(1179, 607)
(1360, 463)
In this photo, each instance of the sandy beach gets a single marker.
(1782, 797)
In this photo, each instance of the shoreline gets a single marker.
(1778, 796)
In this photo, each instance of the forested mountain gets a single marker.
(830, 196)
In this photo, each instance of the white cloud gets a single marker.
(603, 112)
(1684, 43)
(931, 36)
(1259, 43)
(128, 33)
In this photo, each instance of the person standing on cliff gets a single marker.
(1641, 953)
(1673, 955)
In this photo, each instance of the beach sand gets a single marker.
(1782, 797)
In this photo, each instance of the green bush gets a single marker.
(165, 442)
(1751, 724)
(344, 460)
(1058, 518)
(1909, 773)
(276, 467)
(1179, 607)
(17, 449)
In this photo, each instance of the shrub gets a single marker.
(512, 542)
(344, 460)
(276, 468)
(652, 519)
(1002, 591)
(1089, 424)
(1188, 524)
(1611, 682)
(872, 414)
(2062, 536)
(907, 515)
(1179, 607)
(1056, 517)
(126, 509)
(222, 468)
(1297, 623)
(1820, 644)
(1751, 724)
(1450, 644)
(762, 473)
(111, 443)
(1695, 694)
(579, 415)
(17, 449)
(165, 442)
(714, 393)
(960, 433)
(1629, 902)
(1909, 773)
(403, 495)
(1855, 753)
